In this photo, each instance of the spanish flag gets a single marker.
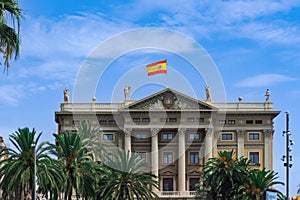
(159, 67)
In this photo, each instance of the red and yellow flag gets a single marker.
(159, 67)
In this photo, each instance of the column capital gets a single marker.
(181, 131)
(209, 131)
(241, 132)
(154, 131)
(268, 132)
(128, 131)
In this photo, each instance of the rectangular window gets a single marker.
(108, 136)
(102, 122)
(146, 119)
(76, 122)
(140, 136)
(227, 136)
(258, 121)
(249, 121)
(167, 136)
(190, 119)
(173, 120)
(193, 182)
(167, 158)
(194, 158)
(222, 122)
(111, 122)
(253, 136)
(143, 157)
(136, 119)
(201, 119)
(254, 158)
(194, 136)
(163, 119)
(108, 157)
(231, 122)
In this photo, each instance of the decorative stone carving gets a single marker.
(127, 92)
(267, 95)
(181, 131)
(154, 131)
(241, 133)
(128, 131)
(207, 91)
(209, 131)
(268, 132)
(66, 95)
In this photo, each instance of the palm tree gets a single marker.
(257, 182)
(17, 165)
(9, 35)
(90, 138)
(78, 165)
(125, 179)
(222, 176)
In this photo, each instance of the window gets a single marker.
(194, 158)
(167, 158)
(193, 183)
(253, 136)
(108, 136)
(258, 121)
(227, 136)
(108, 157)
(194, 136)
(111, 122)
(222, 121)
(254, 158)
(146, 119)
(102, 122)
(66, 122)
(167, 184)
(163, 119)
(173, 120)
(190, 119)
(143, 157)
(76, 122)
(167, 136)
(201, 119)
(140, 136)
(231, 122)
(249, 121)
(136, 119)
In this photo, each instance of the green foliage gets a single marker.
(226, 177)
(9, 35)
(17, 165)
(126, 180)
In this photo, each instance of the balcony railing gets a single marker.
(90, 106)
(243, 106)
(229, 106)
(176, 194)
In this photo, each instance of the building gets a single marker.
(175, 134)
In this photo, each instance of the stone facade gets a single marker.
(176, 134)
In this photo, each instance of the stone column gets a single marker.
(154, 154)
(240, 143)
(268, 153)
(181, 159)
(208, 144)
(127, 144)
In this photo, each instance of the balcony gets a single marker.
(176, 194)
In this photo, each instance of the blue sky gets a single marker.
(255, 45)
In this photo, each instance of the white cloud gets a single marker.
(264, 80)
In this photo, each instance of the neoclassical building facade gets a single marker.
(175, 134)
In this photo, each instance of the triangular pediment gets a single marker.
(169, 99)
(194, 172)
(167, 173)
